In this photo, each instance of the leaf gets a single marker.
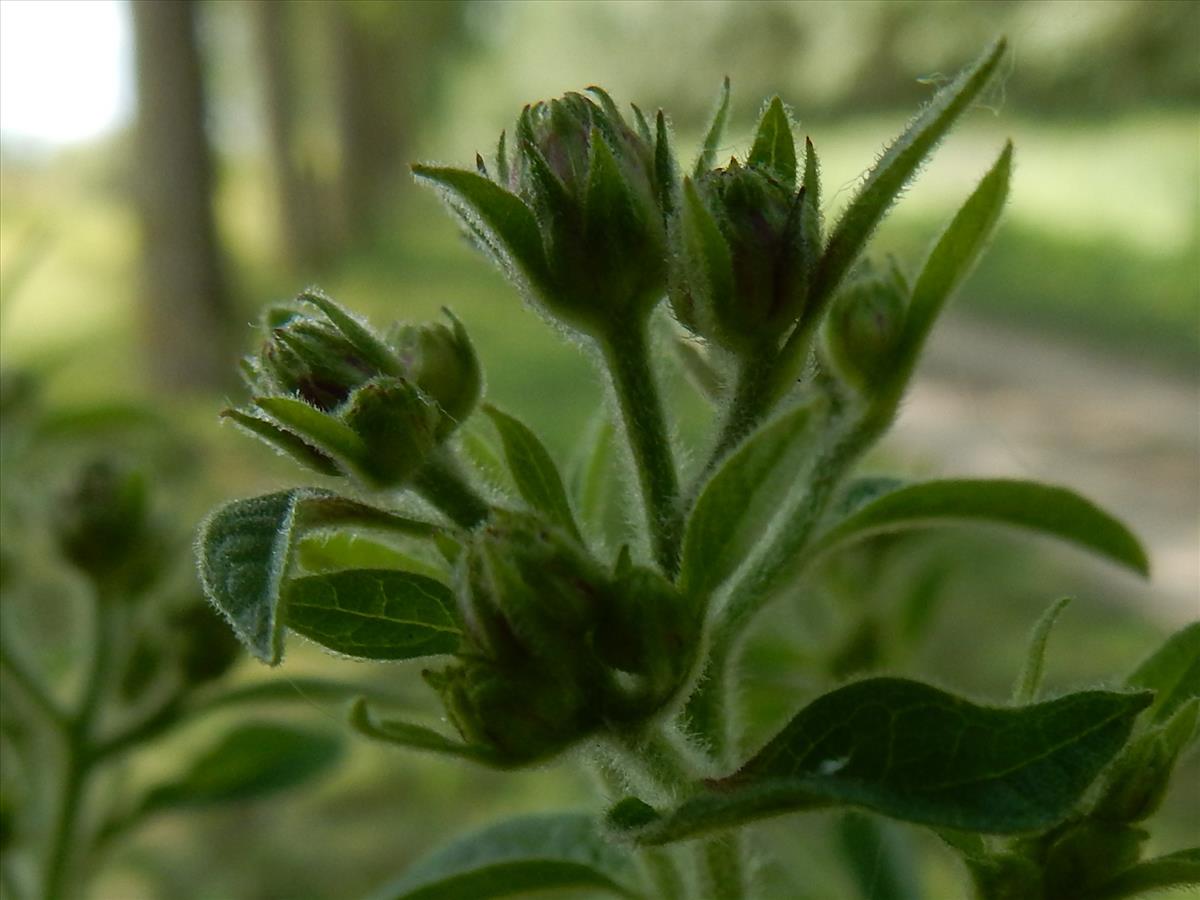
(1175, 870)
(282, 440)
(374, 613)
(417, 737)
(533, 470)
(328, 434)
(360, 335)
(593, 485)
(738, 502)
(251, 761)
(774, 149)
(557, 851)
(665, 169)
(699, 368)
(333, 550)
(501, 219)
(1053, 511)
(895, 168)
(951, 260)
(1172, 672)
(245, 548)
(1030, 679)
(915, 753)
(716, 130)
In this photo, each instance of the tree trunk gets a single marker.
(185, 305)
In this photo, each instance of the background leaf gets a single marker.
(251, 761)
(374, 613)
(1030, 678)
(737, 504)
(1044, 508)
(560, 851)
(915, 753)
(1172, 671)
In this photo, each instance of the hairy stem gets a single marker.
(441, 481)
(626, 353)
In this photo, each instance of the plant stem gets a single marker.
(31, 684)
(752, 400)
(626, 353)
(441, 481)
(725, 873)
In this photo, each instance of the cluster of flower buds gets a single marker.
(556, 647)
(575, 212)
(331, 393)
(861, 335)
(743, 244)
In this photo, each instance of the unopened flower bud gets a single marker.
(102, 521)
(336, 397)
(862, 333)
(1138, 780)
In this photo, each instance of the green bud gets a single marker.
(1086, 855)
(1137, 782)
(862, 333)
(339, 399)
(442, 362)
(102, 521)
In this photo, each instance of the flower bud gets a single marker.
(442, 362)
(102, 521)
(339, 399)
(1137, 782)
(862, 333)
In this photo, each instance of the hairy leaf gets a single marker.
(899, 163)
(1175, 870)
(334, 550)
(559, 851)
(417, 737)
(774, 148)
(327, 433)
(533, 470)
(1030, 678)
(1054, 511)
(374, 613)
(737, 504)
(913, 752)
(251, 761)
(716, 130)
(1172, 671)
(282, 440)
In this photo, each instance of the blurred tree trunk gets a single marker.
(185, 305)
(300, 223)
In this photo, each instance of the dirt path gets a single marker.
(997, 401)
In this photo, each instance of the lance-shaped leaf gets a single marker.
(950, 261)
(251, 761)
(610, 211)
(282, 440)
(716, 130)
(895, 168)
(1030, 679)
(1175, 870)
(1172, 672)
(530, 854)
(329, 434)
(374, 613)
(738, 502)
(811, 223)
(1049, 510)
(244, 550)
(417, 737)
(915, 753)
(774, 148)
(500, 218)
(665, 173)
(364, 340)
(533, 470)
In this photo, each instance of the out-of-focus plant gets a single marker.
(545, 639)
(129, 656)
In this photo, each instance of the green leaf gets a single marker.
(533, 470)
(360, 335)
(501, 219)
(918, 754)
(334, 550)
(716, 130)
(557, 851)
(737, 504)
(1053, 511)
(251, 761)
(895, 168)
(245, 548)
(811, 222)
(327, 433)
(774, 149)
(951, 260)
(699, 368)
(610, 213)
(374, 613)
(417, 737)
(707, 258)
(1175, 870)
(282, 440)
(593, 484)
(1172, 672)
(1030, 679)
(664, 165)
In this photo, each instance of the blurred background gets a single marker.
(168, 168)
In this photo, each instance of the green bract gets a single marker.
(557, 619)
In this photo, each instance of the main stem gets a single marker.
(627, 354)
(442, 482)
